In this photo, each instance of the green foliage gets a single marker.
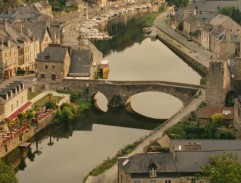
(222, 169)
(176, 132)
(32, 95)
(74, 97)
(226, 135)
(232, 12)
(217, 118)
(196, 33)
(21, 117)
(20, 71)
(180, 26)
(178, 3)
(60, 5)
(70, 106)
(7, 174)
(29, 115)
(64, 115)
(202, 105)
(50, 105)
(210, 130)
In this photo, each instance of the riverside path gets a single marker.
(180, 42)
(110, 176)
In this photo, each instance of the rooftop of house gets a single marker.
(81, 61)
(192, 19)
(53, 54)
(219, 19)
(180, 160)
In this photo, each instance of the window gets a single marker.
(152, 172)
(53, 77)
(46, 66)
(42, 76)
(168, 181)
(193, 181)
(17, 103)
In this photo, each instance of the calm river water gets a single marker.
(66, 153)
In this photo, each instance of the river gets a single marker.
(132, 56)
(66, 153)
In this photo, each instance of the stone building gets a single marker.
(13, 99)
(180, 165)
(221, 36)
(214, 85)
(8, 57)
(237, 78)
(53, 63)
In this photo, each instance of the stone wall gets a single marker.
(237, 114)
(237, 77)
(214, 85)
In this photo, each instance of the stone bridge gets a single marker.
(118, 92)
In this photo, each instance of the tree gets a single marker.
(217, 118)
(222, 169)
(7, 174)
(178, 3)
(49, 96)
(21, 117)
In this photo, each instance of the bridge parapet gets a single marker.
(124, 89)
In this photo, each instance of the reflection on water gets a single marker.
(101, 102)
(165, 110)
(134, 57)
(66, 153)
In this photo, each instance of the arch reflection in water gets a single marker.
(159, 105)
(101, 102)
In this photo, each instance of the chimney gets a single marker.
(175, 150)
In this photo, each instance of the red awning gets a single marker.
(21, 109)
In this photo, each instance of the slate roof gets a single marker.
(183, 161)
(52, 54)
(81, 61)
(209, 145)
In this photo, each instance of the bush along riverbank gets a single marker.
(67, 111)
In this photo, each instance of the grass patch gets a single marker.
(41, 102)
(150, 17)
(109, 162)
(32, 95)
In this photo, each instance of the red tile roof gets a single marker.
(21, 109)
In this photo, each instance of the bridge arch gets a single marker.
(117, 93)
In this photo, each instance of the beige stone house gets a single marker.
(8, 57)
(221, 36)
(53, 63)
(13, 99)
